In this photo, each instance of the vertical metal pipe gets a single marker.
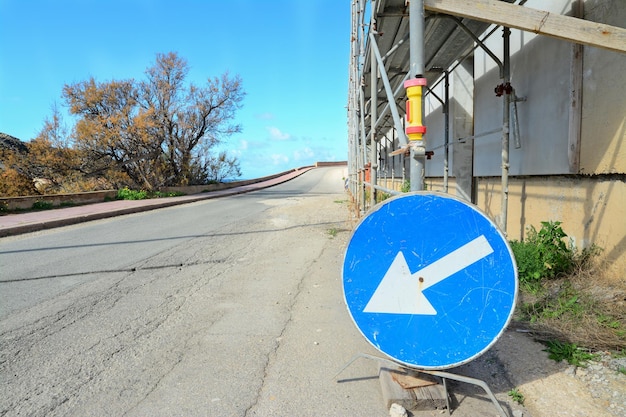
(360, 154)
(576, 91)
(352, 132)
(373, 107)
(356, 93)
(353, 94)
(505, 131)
(416, 68)
(363, 152)
(446, 138)
(350, 94)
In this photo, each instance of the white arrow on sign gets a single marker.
(400, 292)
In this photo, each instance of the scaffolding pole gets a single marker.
(416, 69)
(505, 129)
(373, 111)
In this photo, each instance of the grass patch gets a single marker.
(570, 352)
(160, 194)
(333, 231)
(566, 297)
(382, 196)
(128, 194)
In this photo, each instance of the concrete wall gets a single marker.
(592, 210)
(25, 203)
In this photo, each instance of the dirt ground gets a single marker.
(549, 388)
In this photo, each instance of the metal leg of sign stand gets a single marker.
(443, 375)
(362, 355)
(445, 388)
(468, 380)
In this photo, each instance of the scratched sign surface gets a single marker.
(429, 280)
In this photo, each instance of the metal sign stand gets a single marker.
(443, 375)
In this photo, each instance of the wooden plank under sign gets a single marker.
(413, 391)
(541, 22)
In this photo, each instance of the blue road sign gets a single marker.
(429, 280)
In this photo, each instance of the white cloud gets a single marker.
(278, 159)
(265, 116)
(306, 153)
(277, 134)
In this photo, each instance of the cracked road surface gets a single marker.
(226, 307)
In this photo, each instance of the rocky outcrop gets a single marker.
(12, 143)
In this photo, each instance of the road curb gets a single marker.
(142, 206)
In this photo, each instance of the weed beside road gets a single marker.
(565, 296)
(128, 194)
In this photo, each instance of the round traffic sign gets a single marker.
(429, 280)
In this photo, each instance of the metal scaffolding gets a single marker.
(396, 42)
(400, 50)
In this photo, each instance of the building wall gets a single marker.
(592, 207)
(603, 146)
(540, 73)
(589, 198)
(592, 210)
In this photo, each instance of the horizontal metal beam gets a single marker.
(541, 22)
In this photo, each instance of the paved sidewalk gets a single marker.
(15, 224)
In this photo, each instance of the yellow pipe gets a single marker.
(415, 129)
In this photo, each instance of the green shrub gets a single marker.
(128, 194)
(42, 205)
(542, 254)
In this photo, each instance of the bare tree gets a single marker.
(150, 131)
(216, 168)
(114, 131)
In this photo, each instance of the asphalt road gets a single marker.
(226, 307)
(223, 307)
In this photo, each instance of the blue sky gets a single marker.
(292, 56)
